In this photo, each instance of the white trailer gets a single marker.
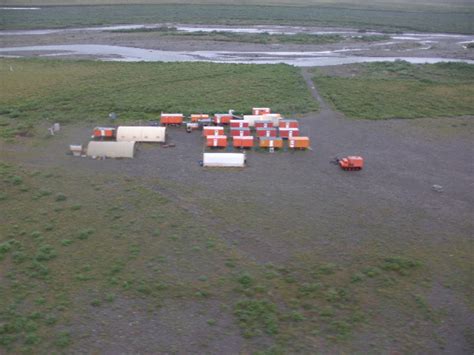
(141, 134)
(224, 160)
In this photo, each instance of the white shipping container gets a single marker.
(223, 159)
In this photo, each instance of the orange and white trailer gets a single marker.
(238, 124)
(240, 132)
(289, 132)
(216, 141)
(104, 133)
(171, 119)
(196, 117)
(222, 118)
(266, 132)
(242, 142)
(212, 131)
(264, 124)
(288, 124)
(298, 143)
(271, 142)
(261, 110)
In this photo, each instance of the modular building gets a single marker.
(240, 132)
(289, 132)
(196, 117)
(104, 133)
(271, 142)
(264, 124)
(260, 110)
(171, 118)
(141, 134)
(252, 119)
(222, 118)
(299, 142)
(266, 132)
(212, 131)
(111, 149)
(242, 142)
(288, 124)
(216, 141)
(223, 160)
(238, 124)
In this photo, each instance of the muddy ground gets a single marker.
(298, 202)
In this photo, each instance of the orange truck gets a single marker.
(271, 142)
(171, 119)
(351, 163)
(299, 142)
(242, 142)
(216, 141)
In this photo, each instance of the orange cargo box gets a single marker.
(289, 132)
(260, 110)
(271, 142)
(216, 141)
(171, 118)
(240, 132)
(212, 131)
(238, 124)
(198, 116)
(222, 118)
(299, 142)
(242, 142)
(288, 124)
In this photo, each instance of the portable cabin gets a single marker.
(288, 124)
(240, 132)
(196, 117)
(141, 134)
(266, 132)
(271, 142)
(212, 131)
(222, 118)
(264, 124)
(238, 124)
(216, 141)
(289, 132)
(110, 149)
(104, 133)
(171, 118)
(242, 141)
(252, 119)
(236, 160)
(299, 142)
(260, 110)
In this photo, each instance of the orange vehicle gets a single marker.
(196, 117)
(351, 163)
(299, 142)
(271, 142)
(171, 119)
(242, 142)
(216, 141)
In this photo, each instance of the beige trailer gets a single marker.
(141, 134)
(101, 149)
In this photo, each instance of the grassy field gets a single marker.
(401, 18)
(74, 244)
(35, 91)
(399, 89)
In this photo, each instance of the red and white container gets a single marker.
(238, 124)
(299, 142)
(240, 132)
(272, 142)
(104, 132)
(222, 118)
(196, 117)
(288, 124)
(261, 110)
(264, 124)
(266, 132)
(216, 141)
(212, 131)
(171, 118)
(289, 132)
(242, 142)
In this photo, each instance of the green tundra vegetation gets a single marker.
(399, 90)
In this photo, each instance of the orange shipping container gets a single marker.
(171, 118)
(299, 142)
(240, 132)
(103, 132)
(212, 131)
(238, 124)
(289, 132)
(222, 118)
(266, 132)
(243, 142)
(271, 142)
(196, 117)
(264, 124)
(260, 110)
(288, 124)
(216, 141)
